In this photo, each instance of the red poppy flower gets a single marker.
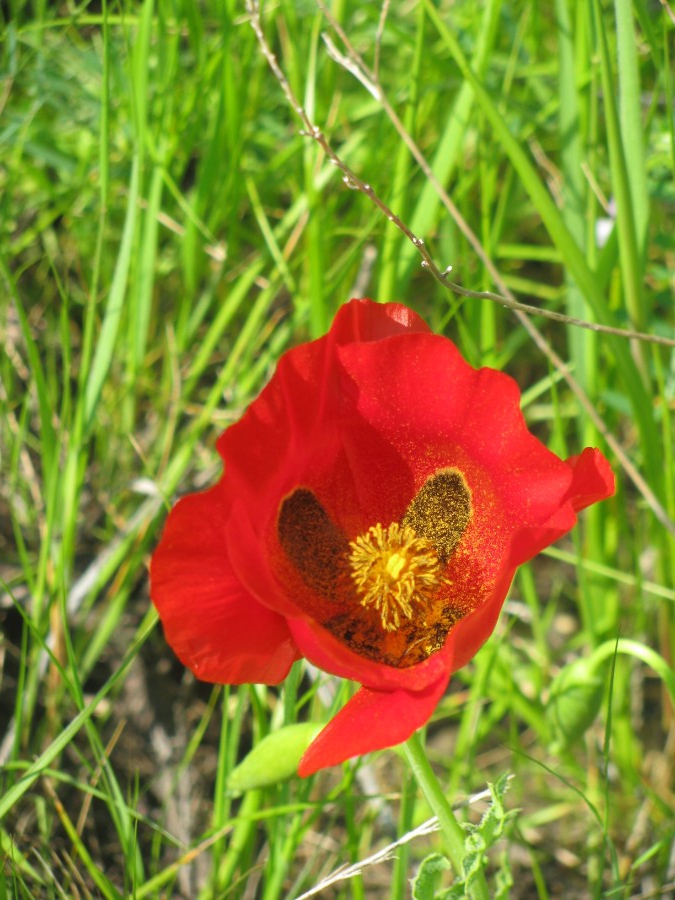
(376, 501)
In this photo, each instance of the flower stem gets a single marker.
(453, 832)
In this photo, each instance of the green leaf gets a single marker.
(424, 883)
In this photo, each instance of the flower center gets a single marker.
(393, 593)
(393, 570)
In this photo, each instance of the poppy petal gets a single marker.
(217, 629)
(592, 478)
(294, 418)
(362, 321)
(461, 416)
(469, 634)
(371, 720)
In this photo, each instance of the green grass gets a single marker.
(166, 232)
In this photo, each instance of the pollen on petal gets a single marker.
(440, 511)
(312, 542)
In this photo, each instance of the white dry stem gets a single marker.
(342, 873)
(354, 64)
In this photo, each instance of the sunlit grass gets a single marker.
(165, 233)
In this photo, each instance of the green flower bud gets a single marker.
(576, 697)
(275, 758)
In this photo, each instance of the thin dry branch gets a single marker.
(342, 873)
(354, 63)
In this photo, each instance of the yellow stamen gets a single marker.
(395, 565)
(393, 570)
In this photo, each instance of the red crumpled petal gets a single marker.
(363, 320)
(418, 394)
(293, 420)
(592, 480)
(215, 628)
(371, 720)
(468, 635)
